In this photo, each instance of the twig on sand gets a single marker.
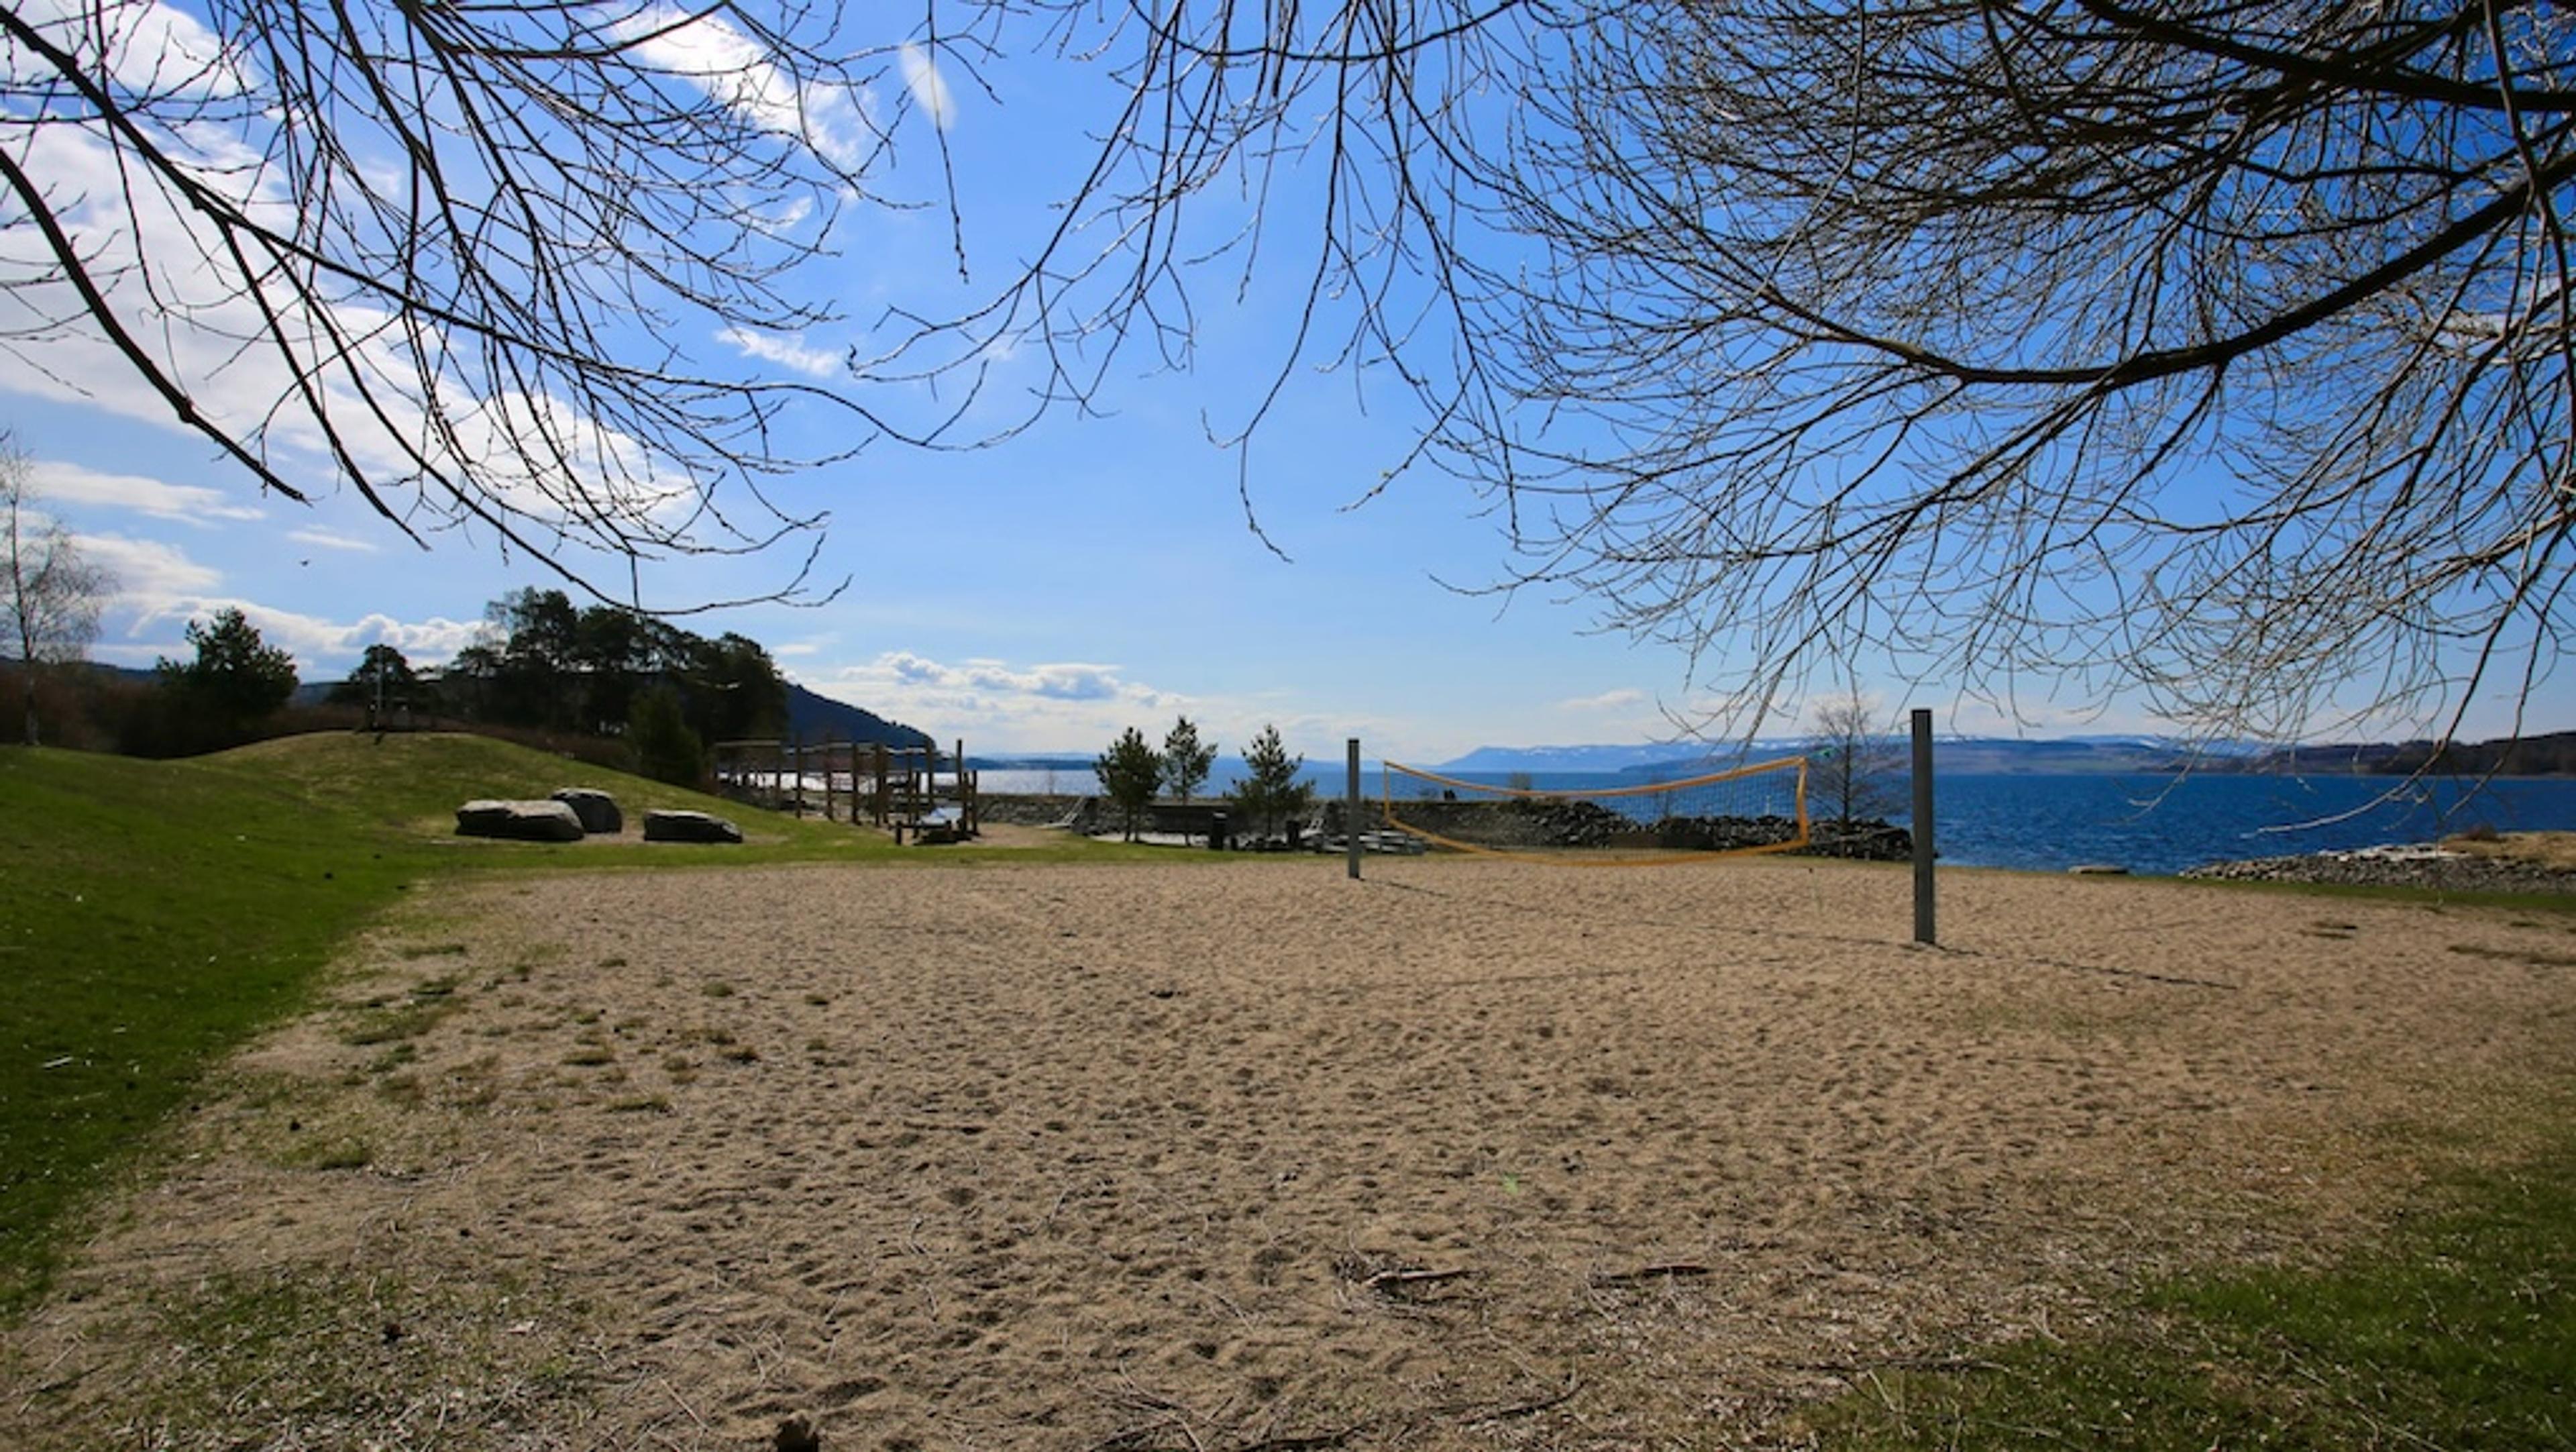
(682, 1402)
(1471, 1415)
(1141, 1439)
(1853, 1369)
(1303, 1441)
(1393, 1280)
(1669, 1270)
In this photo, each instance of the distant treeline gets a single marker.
(2552, 754)
(543, 671)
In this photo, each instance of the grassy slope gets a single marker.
(153, 914)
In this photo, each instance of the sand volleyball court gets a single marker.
(1248, 1156)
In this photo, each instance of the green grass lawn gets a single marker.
(153, 914)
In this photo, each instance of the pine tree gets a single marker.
(237, 681)
(1271, 789)
(1186, 763)
(666, 748)
(1129, 771)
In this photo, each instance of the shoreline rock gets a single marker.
(2424, 866)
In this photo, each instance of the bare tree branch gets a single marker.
(50, 594)
(2214, 355)
(456, 258)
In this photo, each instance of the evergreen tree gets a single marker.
(1186, 762)
(236, 681)
(1271, 790)
(382, 679)
(1129, 771)
(735, 690)
(666, 748)
(612, 652)
(540, 633)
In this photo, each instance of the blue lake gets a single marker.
(2162, 825)
(2148, 824)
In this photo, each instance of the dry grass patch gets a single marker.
(2556, 850)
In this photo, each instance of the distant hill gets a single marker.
(2552, 754)
(1956, 753)
(811, 717)
(1667, 759)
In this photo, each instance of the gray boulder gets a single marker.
(675, 826)
(597, 809)
(547, 821)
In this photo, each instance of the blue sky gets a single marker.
(1088, 574)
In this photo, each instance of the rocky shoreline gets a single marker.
(2436, 868)
(1504, 825)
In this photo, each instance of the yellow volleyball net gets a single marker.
(1740, 812)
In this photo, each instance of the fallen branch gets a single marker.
(1303, 1442)
(1848, 1369)
(1670, 1270)
(1529, 1409)
(1389, 1280)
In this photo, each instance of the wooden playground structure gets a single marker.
(913, 791)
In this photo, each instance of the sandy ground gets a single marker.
(1248, 1156)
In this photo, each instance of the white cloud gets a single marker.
(332, 539)
(323, 648)
(131, 232)
(711, 54)
(1067, 681)
(929, 88)
(148, 47)
(788, 350)
(1079, 707)
(185, 503)
(999, 705)
(1625, 698)
(147, 570)
(324, 644)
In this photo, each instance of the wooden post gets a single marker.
(1923, 825)
(1351, 811)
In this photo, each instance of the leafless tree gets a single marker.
(2216, 351)
(1854, 761)
(458, 258)
(51, 603)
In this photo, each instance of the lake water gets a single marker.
(2163, 825)
(2149, 824)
